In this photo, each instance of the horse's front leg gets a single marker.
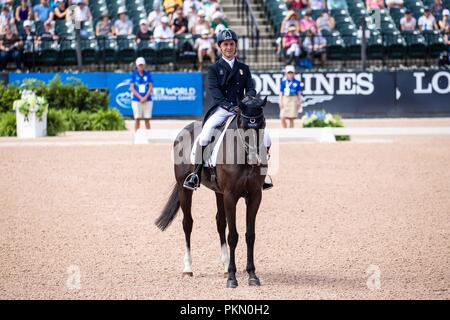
(233, 236)
(221, 226)
(252, 201)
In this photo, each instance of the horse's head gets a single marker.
(252, 114)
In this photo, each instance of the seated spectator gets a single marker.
(374, 4)
(218, 22)
(47, 34)
(444, 26)
(60, 11)
(82, 12)
(192, 17)
(24, 11)
(307, 23)
(316, 4)
(337, 4)
(427, 22)
(123, 26)
(188, 5)
(296, 4)
(290, 44)
(163, 32)
(394, 3)
(325, 22)
(154, 17)
(170, 6)
(144, 33)
(7, 21)
(43, 11)
(104, 26)
(315, 45)
(210, 7)
(408, 22)
(201, 24)
(180, 23)
(291, 19)
(436, 8)
(205, 48)
(28, 36)
(10, 49)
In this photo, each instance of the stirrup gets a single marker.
(187, 180)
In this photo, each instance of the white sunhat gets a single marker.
(140, 61)
(122, 10)
(289, 69)
(445, 12)
(143, 21)
(27, 23)
(165, 19)
(205, 31)
(217, 15)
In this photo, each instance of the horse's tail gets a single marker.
(170, 210)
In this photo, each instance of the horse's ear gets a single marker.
(264, 101)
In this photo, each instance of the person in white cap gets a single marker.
(163, 32)
(144, 33)
(123, 26)
(141, 86)
(200, 24)
(290, 98)
(27, 36)
(217, 19)
(204, 46)
(443, 23)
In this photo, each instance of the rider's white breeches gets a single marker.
(215, 120)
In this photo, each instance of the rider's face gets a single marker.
(228, 49)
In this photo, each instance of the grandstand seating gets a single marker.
(385, 40)
(343, 43)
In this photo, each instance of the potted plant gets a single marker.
(31, 115)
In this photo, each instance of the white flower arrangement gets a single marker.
(30, 102)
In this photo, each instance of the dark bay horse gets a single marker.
(235, 179)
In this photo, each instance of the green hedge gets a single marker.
(72, 107)
(59, 121)
(72, 95)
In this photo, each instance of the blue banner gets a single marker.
(176, 93)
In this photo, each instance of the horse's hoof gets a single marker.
(232, 284)
(254, 282)
(188, 274)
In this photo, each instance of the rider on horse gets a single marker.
(229, 80)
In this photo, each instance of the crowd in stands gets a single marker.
(166, 22)
(303, 35)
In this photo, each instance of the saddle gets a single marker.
(213, 148)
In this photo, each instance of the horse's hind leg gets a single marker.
(221, 226)
(186, 204)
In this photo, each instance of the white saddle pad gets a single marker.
(212, 160)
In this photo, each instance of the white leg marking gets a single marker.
(187, 260)
(224, 256)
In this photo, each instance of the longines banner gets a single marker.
(362, 94)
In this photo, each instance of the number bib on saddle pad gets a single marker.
(212, 159)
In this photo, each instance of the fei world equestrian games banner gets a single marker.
(363, 94)
(174, 94)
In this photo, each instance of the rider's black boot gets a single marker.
(267, 184)
(192, 181)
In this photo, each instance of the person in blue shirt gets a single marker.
(43, 12)
(141, 87)
(290, 98)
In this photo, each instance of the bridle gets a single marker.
(249, 149)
